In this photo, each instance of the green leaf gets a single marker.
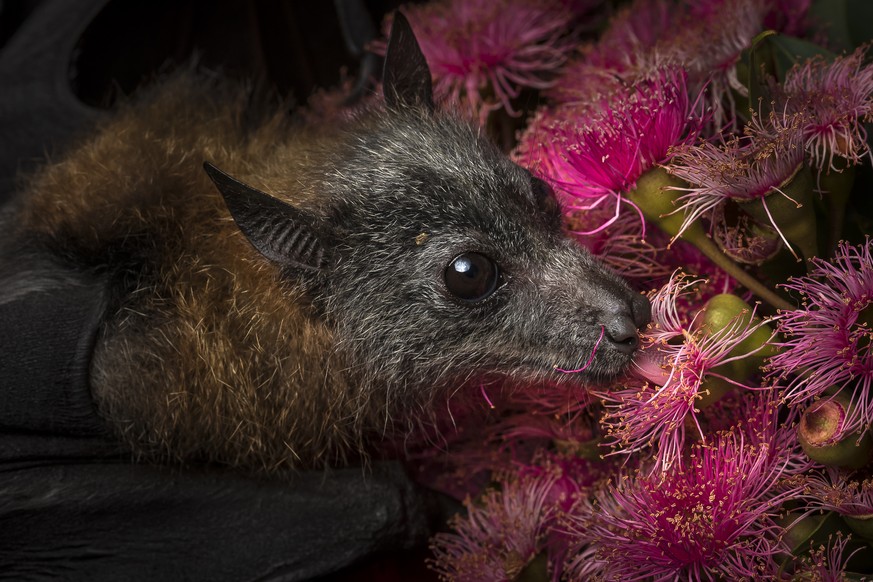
(760, 65)
(788, 51)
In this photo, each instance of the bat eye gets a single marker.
(472, 277)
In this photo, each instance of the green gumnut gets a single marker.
(861, 525)
(812, 528)
(822, 435)
(848, 452)
(657, 202)
(725, 310)
(713, 388)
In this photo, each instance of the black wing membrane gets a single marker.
(73, 506)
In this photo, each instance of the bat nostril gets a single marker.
(621, 331)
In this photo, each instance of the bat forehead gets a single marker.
(438, 205)
(411, 182)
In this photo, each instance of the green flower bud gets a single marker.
(657, 201)
(721, 311)
(534, 571)
(813, 528)
(861, 525)
(821, 434)
(727, 311)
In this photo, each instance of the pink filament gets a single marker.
(485, 395)
(590, 359)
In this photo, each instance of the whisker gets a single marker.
(590, 359)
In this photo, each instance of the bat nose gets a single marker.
(621, 329)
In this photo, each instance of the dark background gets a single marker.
(62, 64)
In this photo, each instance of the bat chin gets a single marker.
(600, 369)
(506, 373)
(524, 378)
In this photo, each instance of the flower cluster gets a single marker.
(483, 54)
(714, 152)
(830, 338)
(715, 518)
(687, 360)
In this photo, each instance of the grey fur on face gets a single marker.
(385, 289)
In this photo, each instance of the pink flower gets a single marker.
(836, 490)
(470, 441)
(581, 82)
(613, 62)
(745, 168)
(501, 534)
(837, 98)
(828, 340)
(571, 475)
(712, 518)
(658, 412)
(625, 134)
(481, 47)
(760, 417)
(708, 43)
(632, 33)
(827, 563)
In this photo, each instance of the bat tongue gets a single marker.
(650, 365)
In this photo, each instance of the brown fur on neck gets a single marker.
(213, 356)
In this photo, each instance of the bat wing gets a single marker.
(74, 507)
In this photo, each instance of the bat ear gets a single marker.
(282, 233)
(406, 77)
